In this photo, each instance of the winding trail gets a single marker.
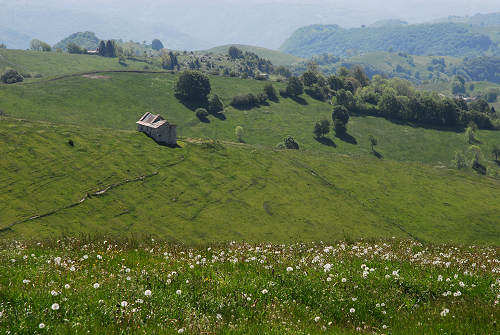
(87, 196)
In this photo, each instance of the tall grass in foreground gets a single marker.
(383, 287)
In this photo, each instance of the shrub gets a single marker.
(317, 92)
(201, 113)
(238, 132)
(321, 128)
(11, 76)
(192, 86)
(290, 143)
(215, 104)
(283, 93)
(248, 100)
(294, 87)
(270, 91)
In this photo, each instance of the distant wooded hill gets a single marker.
(87, 40)
(443, 39)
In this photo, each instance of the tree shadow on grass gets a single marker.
(220, 116)
(377, 154)
(299, 100)
(347, 138)
(204, 119)
(497, 162)
(193, 105)
(326, 141)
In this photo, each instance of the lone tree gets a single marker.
(340, 117)
(235, 53)
(321, 128)
(294, 87)
(192, 86)
(496, 151)
(373, 142)
(11, 76)
(239, 132)
(157, 45)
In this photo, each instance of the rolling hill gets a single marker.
(212, 191)
(276, 57)
(219, 191)
(119, 99)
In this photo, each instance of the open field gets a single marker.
(118, 101)
(221, 192)
(53, 64)
(381, 287)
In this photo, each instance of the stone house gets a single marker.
(159, 129)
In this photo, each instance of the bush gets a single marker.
(11, 76)
(192, 86)
(340, 117)
(294, 87)
(215, 104)
(290, 143)
(317, 92)
(201, 113)
(238, 132)
(321, 128)
(248, 100)
(270, 91)
(283, 93)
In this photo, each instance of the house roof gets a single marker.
(152, 120)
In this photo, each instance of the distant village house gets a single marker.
(159, 129)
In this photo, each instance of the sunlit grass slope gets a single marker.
(52, 64)
(118, 101)
(212, 192)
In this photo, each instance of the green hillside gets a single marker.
(390, 64)
(52, 64)
(119, 99)
(451, 39)
(219, 192)
(276, 57)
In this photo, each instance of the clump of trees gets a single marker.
(37, 45)
(248, 101)
(288, 143)
(235, 53)
(169, 61)
(73, 48)
(202, 114)
(192, 86)
(108, 49)
(11, 76)
(294, 87)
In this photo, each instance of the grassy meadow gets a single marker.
(213, 191)
(104, 231)
(54, 64)
(115, 287)
(121, 98)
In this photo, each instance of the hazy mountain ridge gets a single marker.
(449, 39)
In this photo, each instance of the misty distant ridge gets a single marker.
(198, 25)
